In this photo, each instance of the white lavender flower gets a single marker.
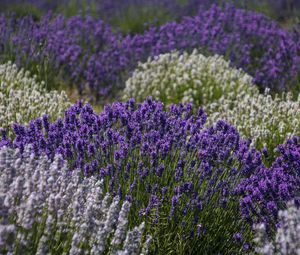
(267, 121)
(120, 233)
(146, 245)
(106, 228)
(175, 77)
(22, 98)
(133, 241)
(46, 209)
(287, 239)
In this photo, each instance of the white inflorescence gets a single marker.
(287, 235)
(22, 98)
(267, 121)
(46, 209)
(176, 77)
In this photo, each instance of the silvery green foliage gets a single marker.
(267, 121)
(287, 240)
(22, 98)
(46, 209)
(176, 77)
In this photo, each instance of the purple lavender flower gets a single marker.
(191, 176)
(250, 40)
(63, 46)
(238, 237)
(267, 190)
(85, 52)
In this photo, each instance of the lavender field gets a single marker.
(149, 127)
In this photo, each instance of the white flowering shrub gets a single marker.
(267, 121)
(176, 77)
(22, 98)
(287, 239)
(46, 209)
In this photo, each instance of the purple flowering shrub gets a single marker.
(86, 53)
(178, 175)
(251, 41)
(56, 48)
(268, 190)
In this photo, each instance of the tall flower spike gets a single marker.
(48, 208)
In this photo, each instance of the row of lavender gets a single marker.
(175, 172)
(191, 182)
(86, 54)
(45, 209)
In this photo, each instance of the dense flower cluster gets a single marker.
(175, 77)
(267, 121)
(85, 51)
(287, 235)
(266, 191)
(155, 156)
(47, 209)
(151, 174)
(22, 98)
(249, 40)
(56, 47)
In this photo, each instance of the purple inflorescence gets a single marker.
(181, 167)
(87, 53)
(250, 40)
(269, 189)
(57, 43)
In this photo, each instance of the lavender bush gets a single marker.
(267, 120)
(175, 77)
(57, 49)
(176, 172)
(84, 51)
(249, 40)
(139, 178)
(224, 92)
(287, 235)
(134, 16)
(22, 98)
(267, 190)
(46, 209)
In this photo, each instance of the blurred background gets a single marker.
(134, 16)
